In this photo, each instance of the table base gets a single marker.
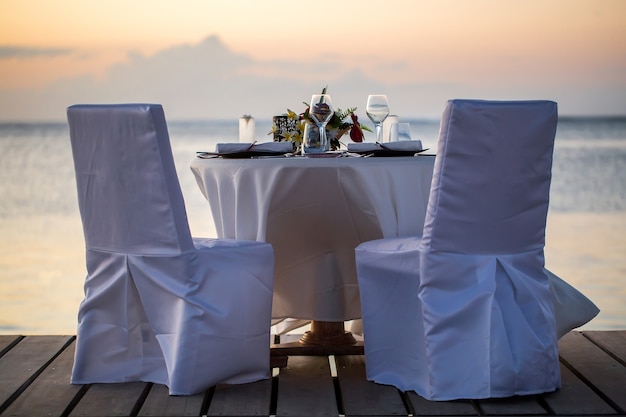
(325, 338)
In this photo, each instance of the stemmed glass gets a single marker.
(321, 111)
(377, 110)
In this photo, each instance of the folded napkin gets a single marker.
(273, 147)
(403, 146)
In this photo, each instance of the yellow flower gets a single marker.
(298, 135)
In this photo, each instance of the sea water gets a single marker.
(42, 261)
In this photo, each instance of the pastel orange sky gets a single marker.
(564, 42)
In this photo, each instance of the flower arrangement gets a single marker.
(290, 126)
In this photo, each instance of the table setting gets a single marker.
(319, 132)
(314, 192)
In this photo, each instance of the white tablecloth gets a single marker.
(315, 211)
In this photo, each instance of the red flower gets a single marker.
(356, 133)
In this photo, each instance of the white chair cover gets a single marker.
(467, 310)
(159, 306)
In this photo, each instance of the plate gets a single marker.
(330, 154)
(239, 155)
(389, 152)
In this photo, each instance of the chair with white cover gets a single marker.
(468, 310)
(159, 306)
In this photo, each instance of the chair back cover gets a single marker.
(128, 191)
(490, 191)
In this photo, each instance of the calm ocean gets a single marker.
(42, 248)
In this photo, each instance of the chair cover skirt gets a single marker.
(393, 320)
(393, 329)
(159, 318)
(492, 333)
(464, 331)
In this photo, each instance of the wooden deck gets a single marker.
(35, 370)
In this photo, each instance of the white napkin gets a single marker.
(275, 147)
(404, 145)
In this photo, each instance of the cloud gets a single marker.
(7, 52)
(209, 81)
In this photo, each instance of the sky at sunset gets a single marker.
(220, 59)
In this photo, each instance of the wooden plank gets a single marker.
(612, 341)
(575, 397)
(362, 397)
(24, 360)
(242, 400)
(6, 341)
(524, 405)
(305, 388)
(51, 392)
(110, 399)
(595, 366)
(422, 406)
(160, 403)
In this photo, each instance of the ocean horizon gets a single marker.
(42, 263)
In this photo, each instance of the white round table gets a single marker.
(315, 211)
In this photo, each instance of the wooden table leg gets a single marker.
(327, 333)
(324, 338)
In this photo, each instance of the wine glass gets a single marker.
(321, 111)
(377, 110)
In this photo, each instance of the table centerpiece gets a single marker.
(290, 126)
